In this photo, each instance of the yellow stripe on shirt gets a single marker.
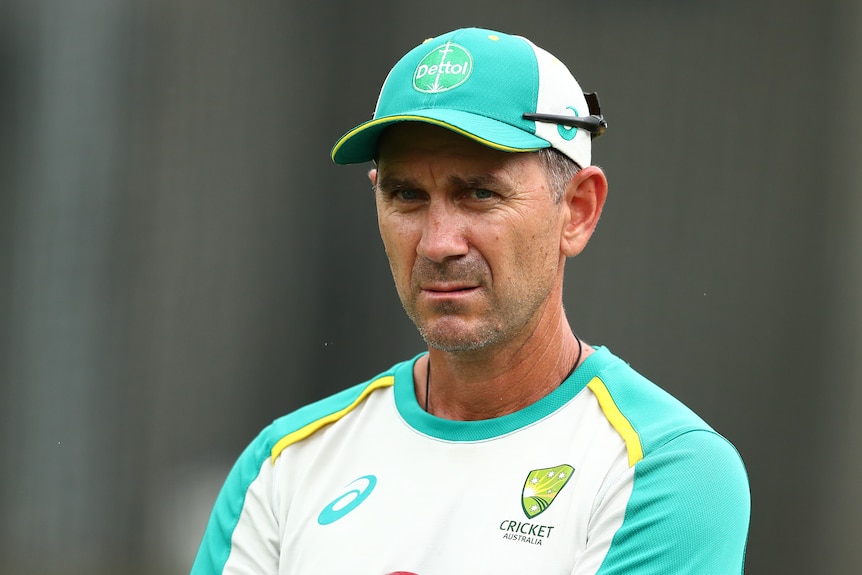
(618, 420)
(309, 429)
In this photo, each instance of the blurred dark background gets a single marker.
(180, 262)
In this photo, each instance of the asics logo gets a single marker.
(358, 491)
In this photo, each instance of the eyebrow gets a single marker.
(390, 184)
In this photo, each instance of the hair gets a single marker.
(559, 169)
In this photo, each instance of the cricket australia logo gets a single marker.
(542, 487)
(445, 67)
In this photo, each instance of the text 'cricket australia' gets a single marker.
(525, 532)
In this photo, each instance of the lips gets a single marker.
(448, 287)
(452, 278)
(442, 298)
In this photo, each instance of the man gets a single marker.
(511, 446)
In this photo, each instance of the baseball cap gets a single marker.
(500, 90)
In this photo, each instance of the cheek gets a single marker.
(539, 248)
(399, 250)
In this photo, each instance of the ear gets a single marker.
(584, 200)
(372, 175)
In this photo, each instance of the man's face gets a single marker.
(472, 235)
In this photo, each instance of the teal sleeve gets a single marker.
(688, 513)
(217, 544)
(242, 525)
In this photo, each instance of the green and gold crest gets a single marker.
(542, 486)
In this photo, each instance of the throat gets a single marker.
(497, 396)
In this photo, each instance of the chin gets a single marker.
(449, 346)
(454, 341)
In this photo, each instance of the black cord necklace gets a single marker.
(427, 384)
(577, 361)
(428, 371)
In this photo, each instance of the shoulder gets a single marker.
(307, 420)
(660, 432)
(243, 505)
(311, 418)
(689, 503)
(639, 408)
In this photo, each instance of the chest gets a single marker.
(374, 496)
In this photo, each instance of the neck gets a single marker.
(497, 382)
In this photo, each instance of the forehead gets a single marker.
(410, 145)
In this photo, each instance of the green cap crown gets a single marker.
(478, 83)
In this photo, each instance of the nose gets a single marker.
(442, 233)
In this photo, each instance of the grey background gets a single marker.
(180, 263)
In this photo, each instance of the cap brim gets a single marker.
(360, 144)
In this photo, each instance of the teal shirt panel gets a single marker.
(690, 506)
(215, 546)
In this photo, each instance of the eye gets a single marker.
(482, 194)
(407, 195)
(401, 195)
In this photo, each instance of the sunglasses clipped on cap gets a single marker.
(595, 123)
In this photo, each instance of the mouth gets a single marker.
(450, 288)
(449, 291)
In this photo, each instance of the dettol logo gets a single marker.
(445, 67)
